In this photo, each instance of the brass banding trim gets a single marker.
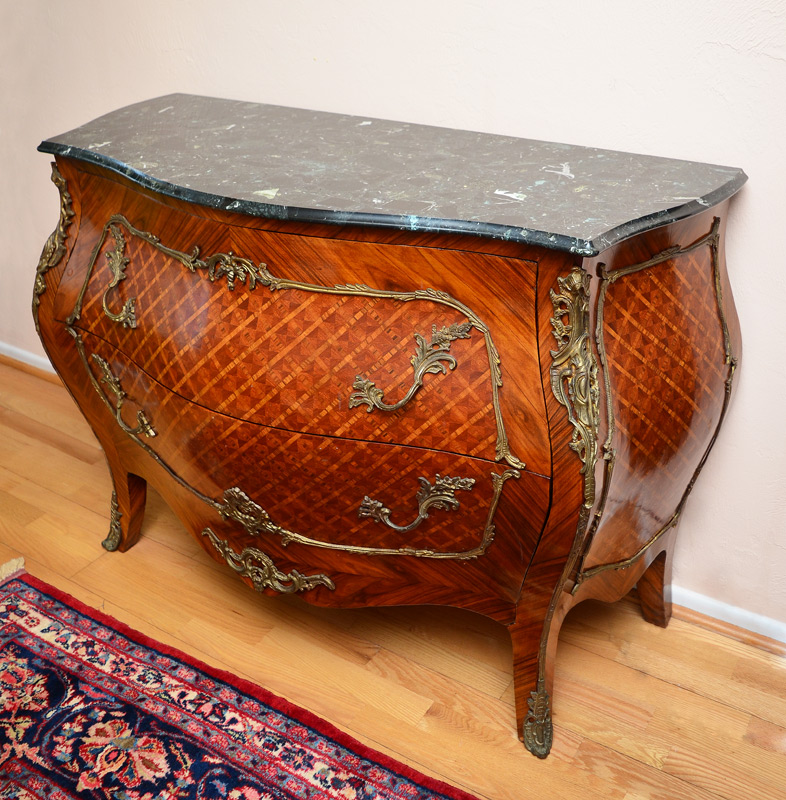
(110, 380)
(627, 562)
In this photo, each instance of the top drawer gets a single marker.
(252, 324)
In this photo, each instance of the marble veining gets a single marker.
(289, 163)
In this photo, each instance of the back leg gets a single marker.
(655, 590)
(127, 510)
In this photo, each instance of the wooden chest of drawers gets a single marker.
(359, 372)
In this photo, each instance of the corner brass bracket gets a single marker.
(574, 370)
(574, 382)
(55, 247)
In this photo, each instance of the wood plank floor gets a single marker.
(678, 714)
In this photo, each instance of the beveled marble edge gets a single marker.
(650, 221)
(538, 238)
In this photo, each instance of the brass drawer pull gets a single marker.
(441, 495)
(259, 567)
(113, 384)
(430, 357)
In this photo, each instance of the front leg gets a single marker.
(127, 509)
(535, 634)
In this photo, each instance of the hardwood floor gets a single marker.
(684, 713)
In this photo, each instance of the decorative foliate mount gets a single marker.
(227, 265)
(574, 371)
(55, 247)
(118, 262)
(238, 506)
(431, 357)
(259, 568)
(217, 266)
(442, 495)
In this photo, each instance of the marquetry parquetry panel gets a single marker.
(288, 358)
(664, 341)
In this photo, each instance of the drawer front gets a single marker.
(364, 498)
(238, 336)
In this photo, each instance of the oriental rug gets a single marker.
(92, 709)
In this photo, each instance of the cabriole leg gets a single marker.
(655, 590)
(127, 510)
(535, 635)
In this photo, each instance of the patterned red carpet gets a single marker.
(90, 708)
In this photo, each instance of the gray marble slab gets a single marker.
(289, 163)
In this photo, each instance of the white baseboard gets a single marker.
(31, 359)
(717, 609)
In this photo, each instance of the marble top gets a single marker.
(289, 163)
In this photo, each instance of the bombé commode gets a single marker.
(375, 363)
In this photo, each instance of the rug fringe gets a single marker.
(11, 568)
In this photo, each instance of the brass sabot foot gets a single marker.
(112, 541)
(538, 730)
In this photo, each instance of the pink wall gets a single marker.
(702, 80)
